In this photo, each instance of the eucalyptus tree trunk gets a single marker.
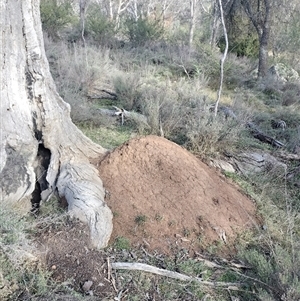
(193, 4)
(42, 151)
(260, 12)
(215, 24)
(223, 56)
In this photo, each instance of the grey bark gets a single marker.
(260, 17)
(34, 117)
(215, 25)
(193, 4)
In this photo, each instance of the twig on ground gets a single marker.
(108, 268)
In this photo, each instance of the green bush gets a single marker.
(143, 30)
(126, 88)
(209, 136)
(244, 45)
(98, 26)
(276, 271)
(56, 16)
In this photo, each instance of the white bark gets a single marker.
(223, 57)
(122, 6)
(33, 114)
(193, 4)
(136, 266)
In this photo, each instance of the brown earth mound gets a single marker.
(162, 196)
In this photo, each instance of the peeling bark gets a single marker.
(34, 117)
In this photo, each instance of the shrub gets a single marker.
(276, 272)
(209, 136)
(98, 26)
(126, 88)
(243, 45)
(143, 30)
(56, 16)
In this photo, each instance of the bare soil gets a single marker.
(164, 199)
(71, 259)
(163, 196)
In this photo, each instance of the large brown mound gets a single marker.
(162, 195)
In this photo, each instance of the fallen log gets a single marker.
(255, 131)
(258, 134)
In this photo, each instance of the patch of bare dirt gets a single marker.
(72, 261)
(163, 196)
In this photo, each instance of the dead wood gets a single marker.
(258, 134)
(167, 273)
(255, 131)
(123, 114)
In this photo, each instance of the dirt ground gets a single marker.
(71, 259)
(163, 199)
(163, 196)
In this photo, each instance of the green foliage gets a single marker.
(263, 266)
(140, 220)
(19, 271)
(242, 45)
(121, 243)
(126, 87)
(108, 137)
(98, 26)
(143, 30)
(12, 227)
(279, 273)
(242, 36)
(208, 135)
(56, 16)
(290, 135)
(193, 268)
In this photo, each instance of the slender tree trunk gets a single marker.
(223, 57)
(193, 4)
(135, 10)
(83, 4)
(42, 151)
(215, 25)
(110, 10)
(122, 5)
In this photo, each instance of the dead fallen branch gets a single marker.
(226, 263)
(258, 134)
(162, 272)
(254, 130)
(122, 113)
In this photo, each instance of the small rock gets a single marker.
(223, 165)
(87, 285)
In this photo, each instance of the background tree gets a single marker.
(260, 13)
(223, 56)
(193, 8)
(42, 151)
